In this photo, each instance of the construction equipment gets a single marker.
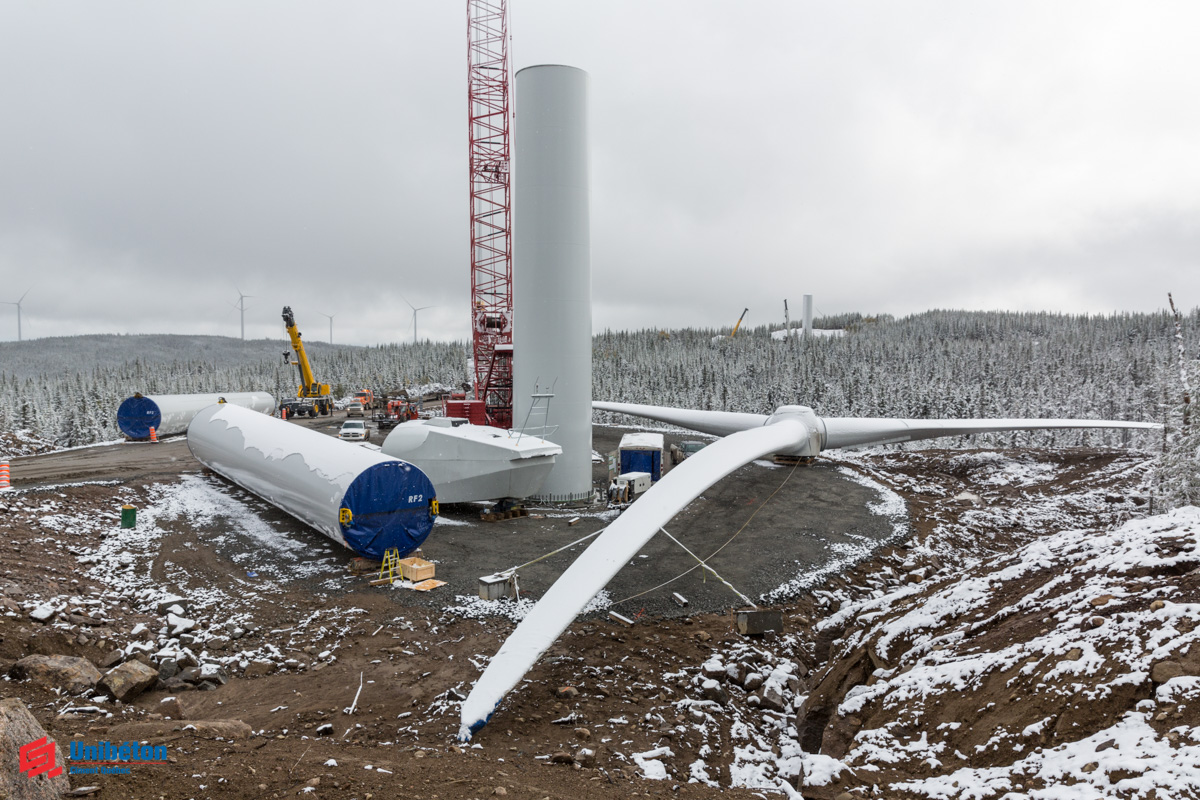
(312, 398)
(397, 411)
(488, 116)
(368, 399)
(739, 323)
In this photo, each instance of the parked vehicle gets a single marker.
(369, 399)
(354, 430)
(684, 449)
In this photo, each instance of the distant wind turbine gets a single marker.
(241, 306)
(415, 310)
(18, 305)
(331, 316)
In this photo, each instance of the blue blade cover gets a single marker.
(137, 415)
(391, 506)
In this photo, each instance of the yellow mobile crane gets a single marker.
(312, 398)
(739, 323)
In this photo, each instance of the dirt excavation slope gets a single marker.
(1027, 634)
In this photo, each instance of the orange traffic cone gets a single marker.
(4, 476)
(153, 434)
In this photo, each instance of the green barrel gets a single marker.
(128, 516)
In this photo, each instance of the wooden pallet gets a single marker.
(791, 461)
(497, 516)
(364, 566)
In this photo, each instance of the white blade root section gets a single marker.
(612, 550)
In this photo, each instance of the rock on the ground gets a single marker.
(257, 669)
(172, 600)
(43, 613)
(168, 668)
(129, 680)
(772, 697)
(72, 675)
(172, 707)
(714, 691)
(111, 660)
(17, 729)
(221, 729)
(204, 728)
(1164, 671)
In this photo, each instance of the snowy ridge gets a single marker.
(1112, 636)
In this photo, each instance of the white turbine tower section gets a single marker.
(795, 430)
(552, 305)
(808, 315)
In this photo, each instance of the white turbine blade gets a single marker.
(612, 550)
(851, 432)
(718, 423)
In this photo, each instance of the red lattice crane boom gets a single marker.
(489, 114)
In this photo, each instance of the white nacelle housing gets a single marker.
(815, 443)
(473, 462)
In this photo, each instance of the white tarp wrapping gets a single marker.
(169, 414)
(358, 497)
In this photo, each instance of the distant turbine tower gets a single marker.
(18, 305)
(241, 306)
(415, 310)
(331, 316)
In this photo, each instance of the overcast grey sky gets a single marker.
(883, 156)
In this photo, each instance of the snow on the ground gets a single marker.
(123, 565)
(475, 607)
(1101, 605)
(1099, 596)
(1128, 759)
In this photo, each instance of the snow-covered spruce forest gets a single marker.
(935, 364)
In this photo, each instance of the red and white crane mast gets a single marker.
(489, 113)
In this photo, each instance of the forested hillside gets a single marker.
(74, 401)
(936, 364)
